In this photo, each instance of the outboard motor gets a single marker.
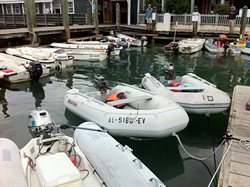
(105, 39)
(35, 69)
(170, 73)
(122, 43)
(143, 39)
(110, 49)
(40, 123)
(101, 83)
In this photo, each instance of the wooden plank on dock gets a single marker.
(235, 170)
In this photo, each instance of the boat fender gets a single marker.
(116, 96)
(73, 160)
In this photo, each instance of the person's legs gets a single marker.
(150, 23)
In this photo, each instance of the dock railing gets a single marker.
(19, 20)
(218, 22)
(164, 22)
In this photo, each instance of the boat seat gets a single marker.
(129, 100)
(127, 107)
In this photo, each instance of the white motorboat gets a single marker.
(127, 110)
(81, 52)
(113, 48)
(213, 46)
(193, 93)
(136, 42)
(245, 50)
(234, 49)
(117, 41)
(14, 69)
(54, 159)
(51, 57)
(190, 45)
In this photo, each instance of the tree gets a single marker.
(177, 6)
(222, 9)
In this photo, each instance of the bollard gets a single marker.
(118, 16)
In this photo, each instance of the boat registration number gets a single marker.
(127, 120)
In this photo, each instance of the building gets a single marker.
(42, 6)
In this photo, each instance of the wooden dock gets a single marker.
(235, 170)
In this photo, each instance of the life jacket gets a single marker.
(115, 97)
(175, 84)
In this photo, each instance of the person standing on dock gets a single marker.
(231, 18)
(148, 16)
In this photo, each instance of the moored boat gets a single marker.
(136, 42)
(54, 159)
(193, 93)
(14, 69)
(246, 49)
(190, 45)
(111, 47)
(171, 47)
(127, 110)
(81, 52)
(51, 57)
(213, 46)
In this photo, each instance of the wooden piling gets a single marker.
(65, 14)
(243, 21)
(96, 21)
(30, 12)
(118, 16)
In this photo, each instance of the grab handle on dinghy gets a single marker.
(120, 146)
(139, 162)
(157, 182)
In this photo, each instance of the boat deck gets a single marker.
(235, 170)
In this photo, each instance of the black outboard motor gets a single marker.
(226, 46)
(143, 39)
(122, 43)
(110, 49)
(170, 73)
(101, 83)
(35, 69)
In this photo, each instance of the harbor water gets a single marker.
(165, 157)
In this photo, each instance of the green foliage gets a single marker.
(177, 6)
(222, 9)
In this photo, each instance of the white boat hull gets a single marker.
(132, 41)
(91, 56)
(18, 69)
(51, 57)
(157, 117)
(190, 45)
(245, 50)
(108, 157)
(208, 100)
(83, 53)
(213, 48)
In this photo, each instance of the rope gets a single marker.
(220, 163)
(194, 157)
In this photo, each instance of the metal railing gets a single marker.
(19, 20)
(205, 19)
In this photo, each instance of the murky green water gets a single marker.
(164, 157)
